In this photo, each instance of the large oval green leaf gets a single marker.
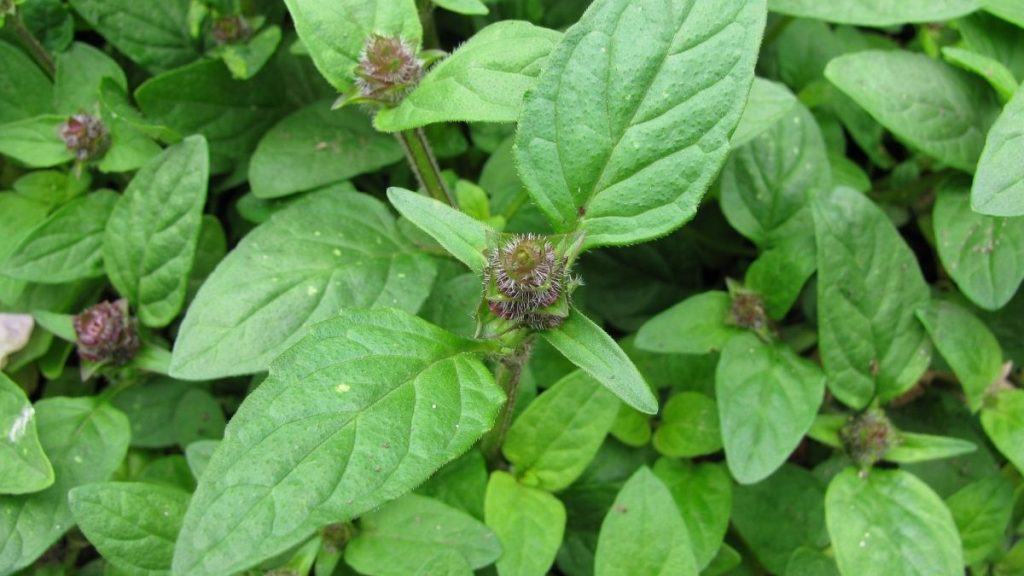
(156, 36)
(359, 412)
(529, 522)
(767, 399)
(878, 13)
(943, 111)
(622, 137)
(329, 251)
(703, 495)
(869, 285)
(998, 188)
(889, 522)
(151, 237)
(24, 467)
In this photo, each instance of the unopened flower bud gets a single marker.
(868, 436)
(748, 311)
(388, 68)
(231, 29)
(528, 282)
(105, 332)
(85, 136)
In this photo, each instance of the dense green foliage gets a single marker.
(511, 287)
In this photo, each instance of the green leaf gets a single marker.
(246, 60)
(967, 345)
(461, 484)
(202, 98)
(998, 188)
(620, 137)
(767, 103)
(316, 146)
(198, 455)
(197, 416)
(559, 433)
(328, 251)
(991, 70)
(767, 399)
(150, 240)
(703, 495)
(24, 467)
(643, 533)
(891, 523)
(878, 13)
(779, 273)
(80, 73)
(50, 21)
(31, 95)
(586, 345)
(631, 427)
(467, 7)
(1003, 421)
(461, 235)
(482, 81)
(766, 185)
(794, 499)
(922, 447)
(689, 427)
(335, 32)
(696, 325)
(810, 562)
(983, 254)
(403, 536)
(982, 512)
(86, 441)
(132, 524)
(35, 142)
(357, 413)
(67, 246)
(1009, 10)
(869, 285)
(943, 111)
(150, 407)
(996, 39)
(155, 36)
(529, 523)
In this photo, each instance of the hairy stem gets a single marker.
(507, 374)
(34, 47)
(424, 164)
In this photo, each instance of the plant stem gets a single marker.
(424, 165)
(34, 47)
(426, 10)
(507, 374)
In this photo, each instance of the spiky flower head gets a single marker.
(388, 68)
(85, 136)
(528, 282)
(868, 436)
(231, 29)
(106, 333)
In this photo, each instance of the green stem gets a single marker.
(507, 374)
(424, 165)
(34, 47)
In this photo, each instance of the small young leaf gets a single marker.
(997, 39)
(967, 345)
(155, 36)
(992, 71)
(132, 524)
(335, 32)
(767, 399)
(86, 441)
(81, 71)
(357, 413)
(982, 512)
(689, 427)
(31, 95)
(779, 273)
(529, 523)
(35, 142)
(703, 495)
(767, 103)
(983, 254)
(869, 285)
(24, 467)
(461, 235)
(316, 146)
(558, 434)
(402, 536)
(245, 60)
(931, 105)
(767, 185)
(643, 533)
(482, 81)
(891, 523)
(1003, 421)
(151, 238)
(586, 345)
(922, 447)
(880, 13)
(328, 251)
(696, 325)
(620, 138)
(998, 188)
(67, 246)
